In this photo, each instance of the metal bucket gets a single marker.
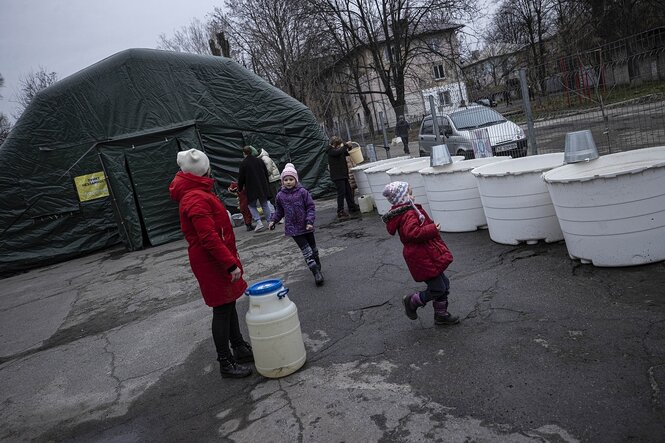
(440, 156)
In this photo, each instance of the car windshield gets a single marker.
(474, 118)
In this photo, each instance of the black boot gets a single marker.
(318, 277)
(230, 369)
(243, 353)
(249, 226)
(317, 260)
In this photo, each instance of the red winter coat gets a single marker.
(426, 255)
(212, 243)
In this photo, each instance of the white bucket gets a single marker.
(274, 330)
(516, 201)
(361, 179)
(378, 179)
(366, 203)
(356, 154)
(452, 193)
(612, 209)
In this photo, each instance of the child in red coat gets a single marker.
(426, 255)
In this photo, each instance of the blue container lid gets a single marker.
(264, 287)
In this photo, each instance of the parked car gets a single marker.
(456, 131)
(489, 102)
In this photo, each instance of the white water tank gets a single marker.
(453, 197)
(274, 330)
(517, 204)
(612, 209)
(378, 179)
(361, 179)
(410, 173)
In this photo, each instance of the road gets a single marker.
(116, 347)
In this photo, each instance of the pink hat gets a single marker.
(289, 170)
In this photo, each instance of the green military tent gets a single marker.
(89, 162)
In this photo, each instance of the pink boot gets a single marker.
(441, 314)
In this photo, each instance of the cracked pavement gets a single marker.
(116, 346)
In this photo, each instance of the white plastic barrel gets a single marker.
(274, 330)
(612, 209)
(361, 179)
(516, 201)
(452, 193)
(378, 179)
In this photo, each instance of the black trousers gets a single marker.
(405, 140)
(307, 244)
(437, 289)
(225, 328)
(344, 192)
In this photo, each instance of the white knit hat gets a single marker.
(289, 170)
(396, 193)
(194, 161)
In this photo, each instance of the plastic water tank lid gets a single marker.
(532, 164)
(264, 287)
(609, 166)
(379, 162)
(409, 167)
(384, 167)
(463, 166)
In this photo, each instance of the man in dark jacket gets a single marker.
(253, 176)
(402, 131)
(339, 174)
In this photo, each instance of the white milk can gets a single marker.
(274, 330)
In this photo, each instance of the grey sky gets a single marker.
(65, 36)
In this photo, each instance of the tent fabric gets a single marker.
(88, 163)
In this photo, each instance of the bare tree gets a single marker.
(280, 40)
(30, 85)
(193, 38)
(392, 33)
(5, 127)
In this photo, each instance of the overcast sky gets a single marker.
(65, 36)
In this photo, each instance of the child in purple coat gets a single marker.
(295, 204)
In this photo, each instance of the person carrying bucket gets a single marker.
(425, 253)
(295, 204)
(213, 257)
(339, 174)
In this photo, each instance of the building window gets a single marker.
(439, 73)
(444, 98)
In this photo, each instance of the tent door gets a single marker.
(138, 177)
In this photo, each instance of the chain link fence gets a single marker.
(617, 91)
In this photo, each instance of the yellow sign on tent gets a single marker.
(91, 186)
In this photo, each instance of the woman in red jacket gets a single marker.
(426, 255)
(213, 257)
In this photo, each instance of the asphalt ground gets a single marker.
(116, 347)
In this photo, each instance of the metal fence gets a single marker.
(617, 91)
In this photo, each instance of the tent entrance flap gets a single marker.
(139, 172)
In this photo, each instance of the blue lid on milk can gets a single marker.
(264, 287)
